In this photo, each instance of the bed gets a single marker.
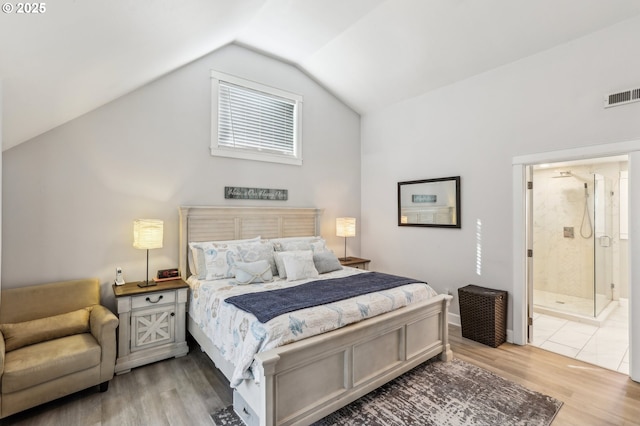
(303, 381)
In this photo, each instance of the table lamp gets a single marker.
(345, 227)
(147, 235)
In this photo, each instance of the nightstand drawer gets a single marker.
(153, 299)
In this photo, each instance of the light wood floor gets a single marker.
(591, 395)
(184, 391)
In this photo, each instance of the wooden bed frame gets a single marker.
(304, 381)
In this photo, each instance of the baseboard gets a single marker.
(454, 319)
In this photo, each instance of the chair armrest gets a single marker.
(103, 325)
(2, 347)
(102, 322)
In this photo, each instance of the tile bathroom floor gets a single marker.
(606, 346)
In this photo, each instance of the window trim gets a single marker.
(248, 154)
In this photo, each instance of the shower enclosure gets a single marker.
(573, 236)
(603, 233)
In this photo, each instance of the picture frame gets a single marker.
(430, 203)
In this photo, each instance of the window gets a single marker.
(253, 121)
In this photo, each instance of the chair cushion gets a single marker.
(26, 333)
(42, 362)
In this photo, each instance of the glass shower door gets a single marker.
(603, 231)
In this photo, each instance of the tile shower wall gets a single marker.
(563, 264)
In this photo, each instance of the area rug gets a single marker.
(439, 394)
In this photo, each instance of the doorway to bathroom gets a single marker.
(579, 275)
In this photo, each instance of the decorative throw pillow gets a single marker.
(298, 243)
(196, 254)
(326, 261)
(220, 261)
(18, 335)
(277, 256)
(253, 272)
(253, 252)
(319, 246)
(299, 264)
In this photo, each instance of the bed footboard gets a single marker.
(307, 380)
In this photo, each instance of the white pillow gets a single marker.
(196, 255)
(298, 243)
(253, 272)
(219, 261)
(299, 264)
(277, 256)
(319, 246)
(261, 250)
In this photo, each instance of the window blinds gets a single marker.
(254, 120)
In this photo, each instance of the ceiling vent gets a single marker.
(622, 98)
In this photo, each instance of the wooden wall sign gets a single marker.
(240, 193)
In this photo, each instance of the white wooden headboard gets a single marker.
(210, 223)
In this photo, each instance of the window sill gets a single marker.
(256, 156)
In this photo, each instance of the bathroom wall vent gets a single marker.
(622, 98)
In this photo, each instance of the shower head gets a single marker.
(564, 174)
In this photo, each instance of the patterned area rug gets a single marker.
(439, 394)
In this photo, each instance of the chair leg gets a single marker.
(104, 386)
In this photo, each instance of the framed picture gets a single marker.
(430, 202)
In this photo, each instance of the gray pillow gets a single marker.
(326, 261)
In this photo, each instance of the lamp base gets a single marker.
(143, 284)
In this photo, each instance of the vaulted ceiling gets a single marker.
(80, 54)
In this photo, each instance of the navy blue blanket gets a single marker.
(270, 304)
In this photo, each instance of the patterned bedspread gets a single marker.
(238, 335)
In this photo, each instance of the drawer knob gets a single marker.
(154, 301)
(173, 314)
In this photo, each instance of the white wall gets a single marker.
(71, 195)
(474, 128)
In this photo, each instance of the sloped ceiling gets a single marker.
(81, 54)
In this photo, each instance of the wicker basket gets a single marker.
(483, 314)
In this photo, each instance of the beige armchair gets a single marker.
(55, 339)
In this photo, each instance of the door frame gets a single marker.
(521, 262)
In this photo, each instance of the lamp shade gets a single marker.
(346, 227)
(147, 233)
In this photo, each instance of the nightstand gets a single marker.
(355, 262)
(152, 323)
